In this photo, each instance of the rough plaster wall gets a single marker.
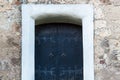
(106, 37)
(10, 52)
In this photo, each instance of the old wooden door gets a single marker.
(58, 52)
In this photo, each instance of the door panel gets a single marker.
(58, 52)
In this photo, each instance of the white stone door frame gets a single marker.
(77, 12)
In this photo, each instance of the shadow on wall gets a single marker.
(58, 19)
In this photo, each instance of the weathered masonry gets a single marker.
(17, 49)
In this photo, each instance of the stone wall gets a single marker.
(106, 37)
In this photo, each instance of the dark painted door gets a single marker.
(58, 52)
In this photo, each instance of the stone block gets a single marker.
(60, 1)
(30, 1)
(112, 12)
(103, 32)
(98, 12)
(114, 26)
(118, 57)
(105, 1)
(100, 24)
(115, 2)
(4, 25)
(102, 2)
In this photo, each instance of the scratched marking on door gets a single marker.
(65, 73)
